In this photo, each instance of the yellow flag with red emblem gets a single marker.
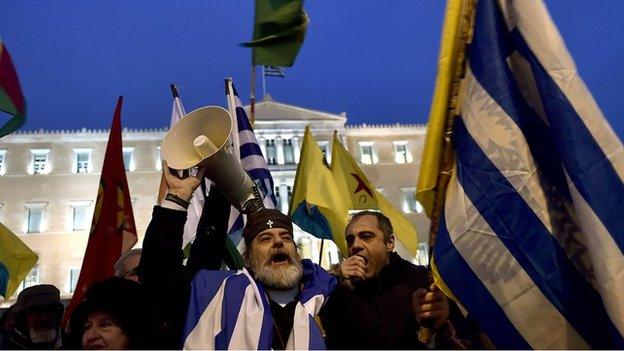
(323, 196)
(361, 195)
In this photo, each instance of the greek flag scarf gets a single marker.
(230, 310)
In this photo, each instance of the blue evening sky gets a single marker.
(373, 59)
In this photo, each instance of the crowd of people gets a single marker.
(373, 299)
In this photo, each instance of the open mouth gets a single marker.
(280, 257)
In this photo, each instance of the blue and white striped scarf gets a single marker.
(230, 310)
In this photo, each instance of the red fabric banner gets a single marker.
(113, 231)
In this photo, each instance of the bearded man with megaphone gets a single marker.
(275, 285)
(272, 301)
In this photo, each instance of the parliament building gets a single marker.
(49, 180)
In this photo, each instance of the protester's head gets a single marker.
(38, 312)
(127, 265)
(113, 315)
(369, 235)
(271, 251)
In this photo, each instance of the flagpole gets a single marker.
(263, 82)
(176, 99)
(321, 252)
(231, 101)
(253, 94)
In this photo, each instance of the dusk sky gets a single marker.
(373, 59)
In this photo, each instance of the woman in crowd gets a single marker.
(113, 316)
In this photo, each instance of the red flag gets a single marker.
(112, 230)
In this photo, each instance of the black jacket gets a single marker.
(163, 273)
(378, 312)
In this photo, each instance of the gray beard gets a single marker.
(280, 278)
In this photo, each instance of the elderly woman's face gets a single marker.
(102, 333)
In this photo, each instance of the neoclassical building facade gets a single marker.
(49, 180)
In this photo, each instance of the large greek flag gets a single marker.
(230, 310)
(252, 160)
(531, 235)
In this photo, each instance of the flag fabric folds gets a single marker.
(16, 260)
(324, 196)
(11, 99)
(197, 201)
(274, 71)
(113, 231)
(230, 310)
(252, 161)
(531, 234)
(279, 31)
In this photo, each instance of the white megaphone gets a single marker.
(202, 139)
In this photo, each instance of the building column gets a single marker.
(262, 144)
(279, 150)
(296, 151)
(283, 198)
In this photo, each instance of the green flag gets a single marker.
(279, 30)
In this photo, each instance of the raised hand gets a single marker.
(353, 267)
(182, 187)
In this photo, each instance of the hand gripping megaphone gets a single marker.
(202, 139)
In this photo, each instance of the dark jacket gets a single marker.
(378, 312)
(161, 269)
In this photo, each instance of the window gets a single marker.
(2, 162)
(289, 152)
(289, 192)
(32, 279)
(401, 155)
(271, 152)
(367, 153)
(74, 273)
(158, 159)
(422, 254)
(128, 156)
(39, 163)
(79, 214)
(409, 201)
(333, 255)
(82, 160)
(35, 217)
(277, 195)
(324, 145)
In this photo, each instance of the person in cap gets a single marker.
(271, 303)
(36, 319)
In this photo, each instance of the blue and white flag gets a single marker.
(531, 237)
(252, 160)
(230, 310)
(274, 71)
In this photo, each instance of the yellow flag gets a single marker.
(437, 151)
(323, 196)
(362, 196)
(16, 260)
(356, 188)
(318, 205)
